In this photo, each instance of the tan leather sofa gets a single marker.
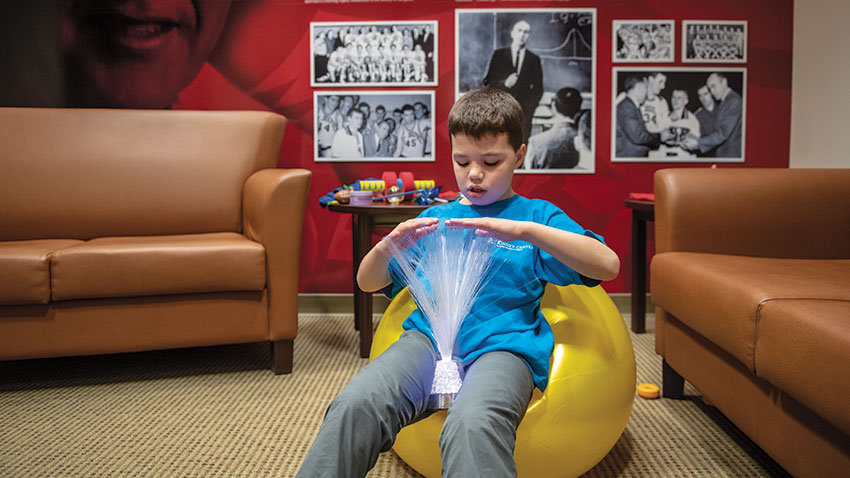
(751, 280)
(126, 230)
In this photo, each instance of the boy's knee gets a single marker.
(347, 403)
(475, 421)
(360, 414)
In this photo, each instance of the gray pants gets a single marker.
(479, 433)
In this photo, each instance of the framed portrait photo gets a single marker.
(546, 59)
(350, 126)
(643, 41)
(402, 53)
(714, 41)
(688, 115)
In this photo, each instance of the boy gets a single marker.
(504, 344)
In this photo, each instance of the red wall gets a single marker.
(264, 59)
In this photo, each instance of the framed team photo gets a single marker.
(402, 53)
(687, 115)
(714, 41)
(647, 41)
(546, 59)
(372, 125)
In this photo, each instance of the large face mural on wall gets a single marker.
(136, 53)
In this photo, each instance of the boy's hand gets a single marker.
(373, 273)
(497, 228)
(406, 234)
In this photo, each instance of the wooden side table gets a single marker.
(363, 221)
(643, 211)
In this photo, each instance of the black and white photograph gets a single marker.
(714, 41)
(373, 126)
(402, 53)
(678, 114)
(546, 59)
(648, 41)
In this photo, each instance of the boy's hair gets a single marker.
(487, 111)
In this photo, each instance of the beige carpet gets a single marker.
(219, 412)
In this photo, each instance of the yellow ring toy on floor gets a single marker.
(571, 426)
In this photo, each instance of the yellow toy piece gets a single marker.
(424, 184)
(649, 391)
(373, 185)
(571, 426)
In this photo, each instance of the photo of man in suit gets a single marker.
(728, 114)
(518, 71)
(378, 143)
(371, 141)
(633, 140)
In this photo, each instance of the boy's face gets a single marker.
(485, 167)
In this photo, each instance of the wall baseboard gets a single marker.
(344, 303)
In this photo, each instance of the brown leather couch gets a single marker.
(751, 280)
(126, 230)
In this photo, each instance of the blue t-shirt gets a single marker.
(506, 314)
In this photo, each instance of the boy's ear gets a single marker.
(520, 156)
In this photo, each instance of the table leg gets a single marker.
(355, 261)
(638, 274)
(362, 233)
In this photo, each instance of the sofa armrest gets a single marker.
(782, 213)
(273, 207)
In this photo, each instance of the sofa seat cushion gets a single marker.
(803, 348)
(720, 296)
(25, 270)
(158, 265)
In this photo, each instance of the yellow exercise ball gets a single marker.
(571, 426)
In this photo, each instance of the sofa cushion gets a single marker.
(25, 270)
(158, 265)
(803, 348)
(719, 296)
